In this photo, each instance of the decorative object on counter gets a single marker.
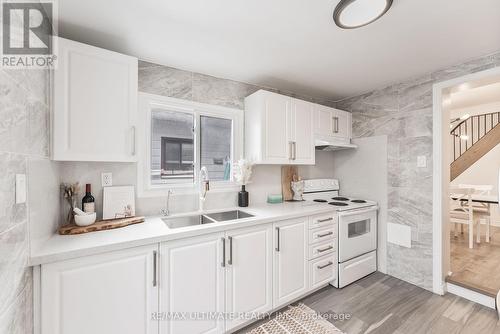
(275, 199)
(84, 218)
(88, 201)
(70, 193)
(287, 173)
(101, 225)
(298, 189)
(242, 174)
(118, 202)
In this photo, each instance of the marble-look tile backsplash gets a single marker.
(24, 139)
(403, 112)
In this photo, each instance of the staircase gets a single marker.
(472, 139)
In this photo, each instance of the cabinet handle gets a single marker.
(324, 235)
(230, 261)
(223, 252)
(324, 220)
(324, 249)
(290, 150)
(278, 241)
(133, 140)
(294, 150)
(326, 265)
(155, 265)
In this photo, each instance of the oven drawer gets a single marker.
(322, 220)
(322, 271)
(323, 248)
(357, 268)
(322, 233)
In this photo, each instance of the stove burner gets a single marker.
(340, 198)
(320, 200)
(358, 201)
(338, 204)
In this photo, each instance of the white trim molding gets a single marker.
(471, 295)
(146, 103)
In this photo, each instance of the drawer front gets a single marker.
(323, 248)
(357, 268)
(322, 234)
(322, 271)
(322, 220)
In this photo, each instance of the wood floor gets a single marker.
(478, 268)
(381, 304)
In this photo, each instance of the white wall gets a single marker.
(362, 172)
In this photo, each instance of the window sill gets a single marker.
(162, 191)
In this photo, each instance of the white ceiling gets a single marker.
(289, 44)
(467, 98)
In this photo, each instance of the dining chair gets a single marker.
(461, 211)
(482, 211)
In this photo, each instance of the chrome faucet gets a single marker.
(166, 210)
(204, 186)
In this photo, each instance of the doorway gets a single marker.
(466, 244)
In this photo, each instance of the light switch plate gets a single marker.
(421, 161)
(106, 179)
(20, 188)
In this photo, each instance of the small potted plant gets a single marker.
(242, 171)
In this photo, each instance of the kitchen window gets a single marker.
(177, 138)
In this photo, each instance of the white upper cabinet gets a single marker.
(332, 124)
(95, 104)
(278, 129)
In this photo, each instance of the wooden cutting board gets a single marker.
(287, 174)
(100, 225)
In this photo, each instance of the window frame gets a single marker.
(148, 102)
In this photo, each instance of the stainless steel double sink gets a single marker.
(209, 218)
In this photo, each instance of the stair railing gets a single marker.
(469, 131)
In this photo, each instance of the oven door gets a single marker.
(357, 232)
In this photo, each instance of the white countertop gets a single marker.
(153, 230)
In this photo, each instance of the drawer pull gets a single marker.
(326, 265)
(324, 235)
(325, 220)
(324, 249)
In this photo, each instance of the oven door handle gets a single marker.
(357, 212)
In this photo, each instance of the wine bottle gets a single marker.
(88, 201)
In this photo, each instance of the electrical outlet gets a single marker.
(106, 179)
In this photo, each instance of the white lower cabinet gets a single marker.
(113, 292)
(249, 273)
(192, 285)
(208, 284)
(290, 260)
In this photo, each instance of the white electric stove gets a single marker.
(357, 228)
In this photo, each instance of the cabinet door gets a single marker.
(290, 264)
(107, 293)
(277, 129)
(302, 132)
(95, 104)
(323, 120)
(192, 285)
(249, 272)
(342, 124)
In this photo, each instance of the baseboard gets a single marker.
(471, 295)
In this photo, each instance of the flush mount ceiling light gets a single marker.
(350, 14)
